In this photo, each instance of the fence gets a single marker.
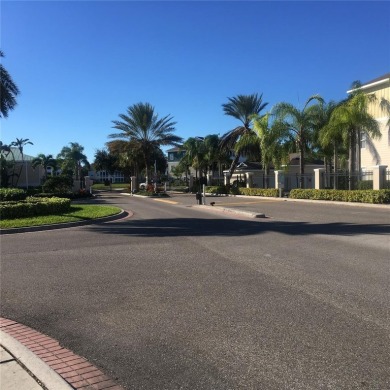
(297, 180)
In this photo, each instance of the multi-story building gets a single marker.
(376, 151)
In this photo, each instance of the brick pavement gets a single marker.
(74, 369)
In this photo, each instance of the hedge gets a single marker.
(269, 192)
(361, 196)
(216, 190)
(12, 194)
(32, 207)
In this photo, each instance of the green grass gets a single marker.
(78, 212)
(114, 186)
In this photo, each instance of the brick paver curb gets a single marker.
(74, 369)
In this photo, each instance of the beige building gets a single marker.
(376, 151)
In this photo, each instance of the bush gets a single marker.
(32, 207)
(58, 184)
(365, 185)
(270, 192)
(361, 196)
(12, 194)
(216, 190)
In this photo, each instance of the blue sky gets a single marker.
(80, 64)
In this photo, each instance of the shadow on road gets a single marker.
(181, 227)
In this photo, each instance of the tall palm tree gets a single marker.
(142, 125)
(6, 165)
(194, 155)
(8, 91)
(20, 143)
(351, 118)
(241, 138)
(329, 138)
(300, 124)
(45, 161)
(73, 158)
(273, 143)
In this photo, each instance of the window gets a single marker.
(363, 138)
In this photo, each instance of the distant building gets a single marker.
(376, 151)
(24, 174)
(102, 176)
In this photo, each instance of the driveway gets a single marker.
(176, 297)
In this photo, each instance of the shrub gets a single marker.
(270, 192)
(12, 194)
(365, 185)
(216, 190)
(58, 184)
(362, 196)
(32, 207)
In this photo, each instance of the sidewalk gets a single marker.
(31, 360)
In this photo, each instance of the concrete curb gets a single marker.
(231, 211)
(40, 370)
(328, 202)
(120, 215)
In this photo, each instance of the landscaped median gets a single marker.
(359, 196)
(16, 212)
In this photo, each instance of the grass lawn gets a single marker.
(100, 186)
(78, 212)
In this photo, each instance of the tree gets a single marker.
(329, 138)
(350, 119)
(194, 155)
(301, 124)
(105, 161)
(45, 161)
(273, 143)
(73, 159)
(8, 91)
(6, 165)
(142, 126)
(20, 143)
(241, 139)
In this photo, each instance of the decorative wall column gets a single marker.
(379, 177)
(319, 178)
(249, 179)
(279, 179)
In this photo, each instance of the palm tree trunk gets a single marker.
(335, 178)
(232, 169)
(352, 161)
(301, 167)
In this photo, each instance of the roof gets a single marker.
(175, 149)
(17, 156)
(375, 82)
(384, 77)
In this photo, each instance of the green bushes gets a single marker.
(31, 207)
(269, 192)
(58, 184)
(216, 190)
(362, 196)
(12, 194)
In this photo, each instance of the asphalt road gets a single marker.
(176, 297)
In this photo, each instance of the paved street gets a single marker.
(176, 297)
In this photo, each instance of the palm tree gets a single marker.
(143, 126)
(194, 155)
(45, 161)
(20, 143)
(8, 91)
(350, 119)
(73, 158)
(241, 139)
(300, 124)
(273, 142)
(6, 165)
